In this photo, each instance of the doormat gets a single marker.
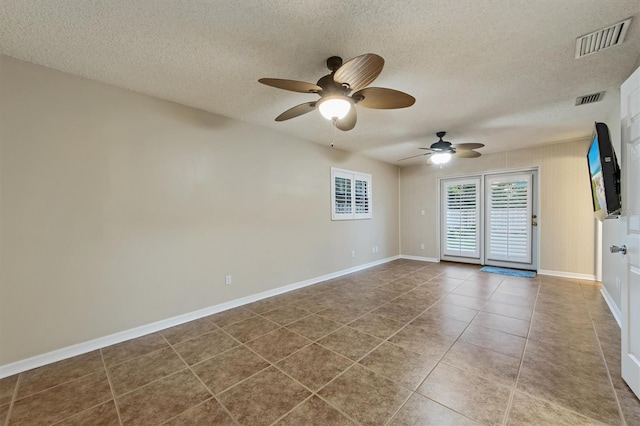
(510, 272)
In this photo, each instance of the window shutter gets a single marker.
(509, 218)
(461, 218)
(350, 195)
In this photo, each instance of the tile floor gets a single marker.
(405, 343)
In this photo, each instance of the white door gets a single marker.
(630, 138)
(509, 218)
(460, 220)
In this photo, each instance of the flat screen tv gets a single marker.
(604, 172)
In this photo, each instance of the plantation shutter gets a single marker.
(461, 217)
(350, 195)
(362, 196)
(509, 218)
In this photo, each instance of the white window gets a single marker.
(350, 195)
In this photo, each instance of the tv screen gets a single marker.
(604, 173)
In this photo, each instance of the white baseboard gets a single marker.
(421, 258)
(101, 342)
(562, 274)
(615, 311)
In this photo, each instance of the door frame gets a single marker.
(535, 233)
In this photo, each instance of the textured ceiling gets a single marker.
(501, 73)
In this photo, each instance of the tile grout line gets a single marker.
(524, 351)
(604, 359)
(113, 393)
(213, 395)
(14, 397)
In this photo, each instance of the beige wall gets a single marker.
(118, 210)
(566, 222)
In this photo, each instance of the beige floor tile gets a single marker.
(162, 400)
(102, 415)
(205, 346)
(133, 348)
(50, 375)
(377, 325)
(315, 412)
(250, 328)
(4, 412)
(314, 366)
(62, 401)
(418, 340)
(440, 325)
(278, 344)
(286, 315)
(138, 372)
(455, 312)
(401, 365)
(479, 399)
(527, 410)
(504, 343)
(209, 413)
(343, 313)
(314, 326)
(501, 323)
(225, 370)
(350, 342)
(7, 388)
(188, 330)
(423, 411)
(483, 362)
(513, 311)
(263, 398)
(230, 316)
(365, 396)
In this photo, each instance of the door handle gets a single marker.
(615, 249)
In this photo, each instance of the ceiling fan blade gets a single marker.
(468, 146)
(381, 98)
(428, 149)
(348, 122)
(296, 111)
(467, 154)
(414, 156)
(360, 71)
(294, 86)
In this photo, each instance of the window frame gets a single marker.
(353, 177)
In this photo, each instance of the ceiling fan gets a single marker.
(442, 151)
(342, 89)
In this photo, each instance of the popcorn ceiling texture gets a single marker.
(495, 72)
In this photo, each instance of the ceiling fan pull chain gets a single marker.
(333, 134)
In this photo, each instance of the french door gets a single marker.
(489, 219)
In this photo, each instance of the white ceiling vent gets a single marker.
(602, 39)
(589, 99)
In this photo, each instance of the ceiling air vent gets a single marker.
(602, 39)
(589, 99)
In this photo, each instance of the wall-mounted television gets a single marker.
(604, 172)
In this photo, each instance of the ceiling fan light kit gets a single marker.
(334, 107)
(440, 157)
(442, 151)
(342, 89)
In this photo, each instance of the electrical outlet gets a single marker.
(227, 280)
(423, 212)
(353, 253)
(422, 246)
(376, 249)
(618, 282)
(373, 249)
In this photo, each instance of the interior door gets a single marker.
(509, 218)
(630, 309)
